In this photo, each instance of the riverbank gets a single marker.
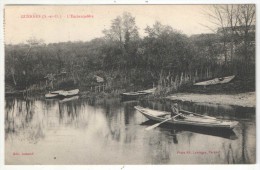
(82, 95)
(247, 99)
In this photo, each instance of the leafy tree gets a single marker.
(123, 30)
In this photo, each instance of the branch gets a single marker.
(213, 30)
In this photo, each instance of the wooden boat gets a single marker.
(62, 94)
(69, 93)
(218, 132)
(221, 80)
(136, 95)
(53, 94)
(149, 91)
(57, 92)
(133, 95)
(50, 95)
(187, 118)
(69, 99)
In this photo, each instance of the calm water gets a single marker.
(108, 131)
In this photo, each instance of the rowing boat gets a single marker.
(53, 94)
(178, 129)
(69, 93)
(133, 95)
(57, 92)
(137, 95)
(221, 80)
(149, 91)
(62, 94)
(69, 99)
(50, 95)
(187, 118)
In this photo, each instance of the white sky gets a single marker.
(187, 18)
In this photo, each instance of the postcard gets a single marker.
(130, 84)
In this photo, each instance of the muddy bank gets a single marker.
(242, 99)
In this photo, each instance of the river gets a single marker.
(109, 131)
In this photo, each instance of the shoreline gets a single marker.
(247, 99)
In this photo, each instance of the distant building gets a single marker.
(237, 29)
(224, 35)
(235, 42)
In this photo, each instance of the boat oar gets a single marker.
(208, 117)
(157, 124)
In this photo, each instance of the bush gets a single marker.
(67, 84)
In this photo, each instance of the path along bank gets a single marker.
(247, 99)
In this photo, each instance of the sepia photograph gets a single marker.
(130, 84)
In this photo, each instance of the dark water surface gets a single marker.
(109, 131)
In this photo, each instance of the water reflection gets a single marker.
(107, 131)
(175, 129)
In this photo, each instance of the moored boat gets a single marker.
(221, 80)
(149, 91)
(133, 95)
(137, 95)
(186, 118)
(67, 99)
(57, 92)
(50, 95)
(69, 93)
(62, 93)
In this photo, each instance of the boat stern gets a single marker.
(233, 124)
(230, 124)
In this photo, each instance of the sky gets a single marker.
(19, 27)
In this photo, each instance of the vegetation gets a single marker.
(165, 57)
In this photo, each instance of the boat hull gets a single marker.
(57, 92)
(205, 122)
(68, 99)
(70, 93)
(149, 91)
(133, 95)
(61, 94)
(50, 96)
(215, 81)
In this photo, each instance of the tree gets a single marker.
(236, 26)
(246, 19)
(158, 29)
(168, 54)
(21, 63)
(123, 30)
(123, 34)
